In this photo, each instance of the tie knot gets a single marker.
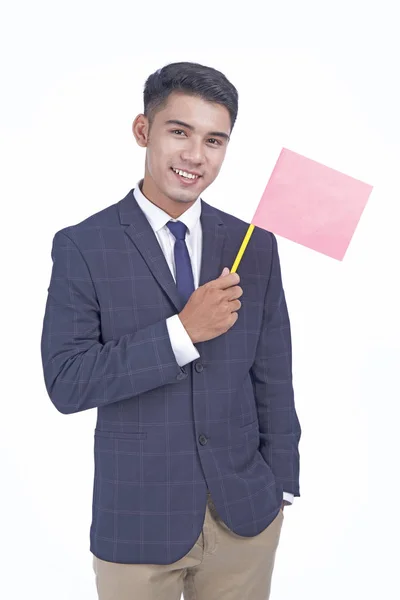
(178, 229)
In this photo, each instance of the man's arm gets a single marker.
(271, 374)
(81, 371)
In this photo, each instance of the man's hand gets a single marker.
(212, 309)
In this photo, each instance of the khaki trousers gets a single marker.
(221, 566)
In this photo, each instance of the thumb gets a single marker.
(225, 272)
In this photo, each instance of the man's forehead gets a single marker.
(185, 113)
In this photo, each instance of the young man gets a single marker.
(196, 440)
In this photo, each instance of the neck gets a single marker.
(173, 208)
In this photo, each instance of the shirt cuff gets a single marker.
(288, 497)
(182, 346)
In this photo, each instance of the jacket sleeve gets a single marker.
(271, 375)
(80, 370)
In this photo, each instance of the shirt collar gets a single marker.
(158, 218)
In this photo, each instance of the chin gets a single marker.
(179, 195)
(185, 198)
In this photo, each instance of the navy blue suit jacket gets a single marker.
(165, 433)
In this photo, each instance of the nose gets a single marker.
(193, 152)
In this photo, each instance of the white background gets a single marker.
(320, 78)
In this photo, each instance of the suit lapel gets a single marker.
(214, 237)
(139, 230)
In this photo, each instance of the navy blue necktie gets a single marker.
(183, 267)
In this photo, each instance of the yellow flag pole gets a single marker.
(242, 248)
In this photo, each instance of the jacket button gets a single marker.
(203, 440)
(199, 367)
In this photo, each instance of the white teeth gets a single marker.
(184, 174)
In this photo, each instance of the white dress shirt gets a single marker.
(182, 346)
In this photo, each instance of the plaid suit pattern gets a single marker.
(165, 434)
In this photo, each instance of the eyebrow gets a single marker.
(183, 124)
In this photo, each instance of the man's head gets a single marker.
(189, 114)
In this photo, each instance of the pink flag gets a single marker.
(312, 204)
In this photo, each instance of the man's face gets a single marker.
(195, 142)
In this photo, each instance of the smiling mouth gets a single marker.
(185, 175)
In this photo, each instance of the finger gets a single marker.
(237, 305)
(235, 292)
(228, 281)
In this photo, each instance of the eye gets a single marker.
(218, 143)
(178, 130)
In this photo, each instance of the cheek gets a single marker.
(156, 161)
(160, 153)
(215, 164)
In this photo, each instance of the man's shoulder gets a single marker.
(107, 218)
(103, 218)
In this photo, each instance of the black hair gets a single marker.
(193, 79)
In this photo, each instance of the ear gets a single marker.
(140, 129)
